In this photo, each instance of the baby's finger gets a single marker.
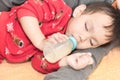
(52, 40)
(61, 37)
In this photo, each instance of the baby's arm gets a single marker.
(30, 26)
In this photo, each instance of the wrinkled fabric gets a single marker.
(6, 5)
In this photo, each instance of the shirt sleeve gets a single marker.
(25, 12)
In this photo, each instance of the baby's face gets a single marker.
(89, 30)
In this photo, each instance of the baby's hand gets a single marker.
(79, 60)
(57, 37)
(54, 39)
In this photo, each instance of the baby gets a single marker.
(27, 29)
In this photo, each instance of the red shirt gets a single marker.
(52, 15)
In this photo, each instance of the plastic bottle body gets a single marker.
(53, 53)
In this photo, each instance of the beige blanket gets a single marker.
(109, 69)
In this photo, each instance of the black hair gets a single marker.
(108, 9)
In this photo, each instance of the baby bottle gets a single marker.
(55, 52)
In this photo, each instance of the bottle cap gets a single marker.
(73, 40)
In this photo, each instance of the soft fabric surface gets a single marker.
(108, 69)
(22, 71)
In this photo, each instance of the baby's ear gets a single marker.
(78, 10)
